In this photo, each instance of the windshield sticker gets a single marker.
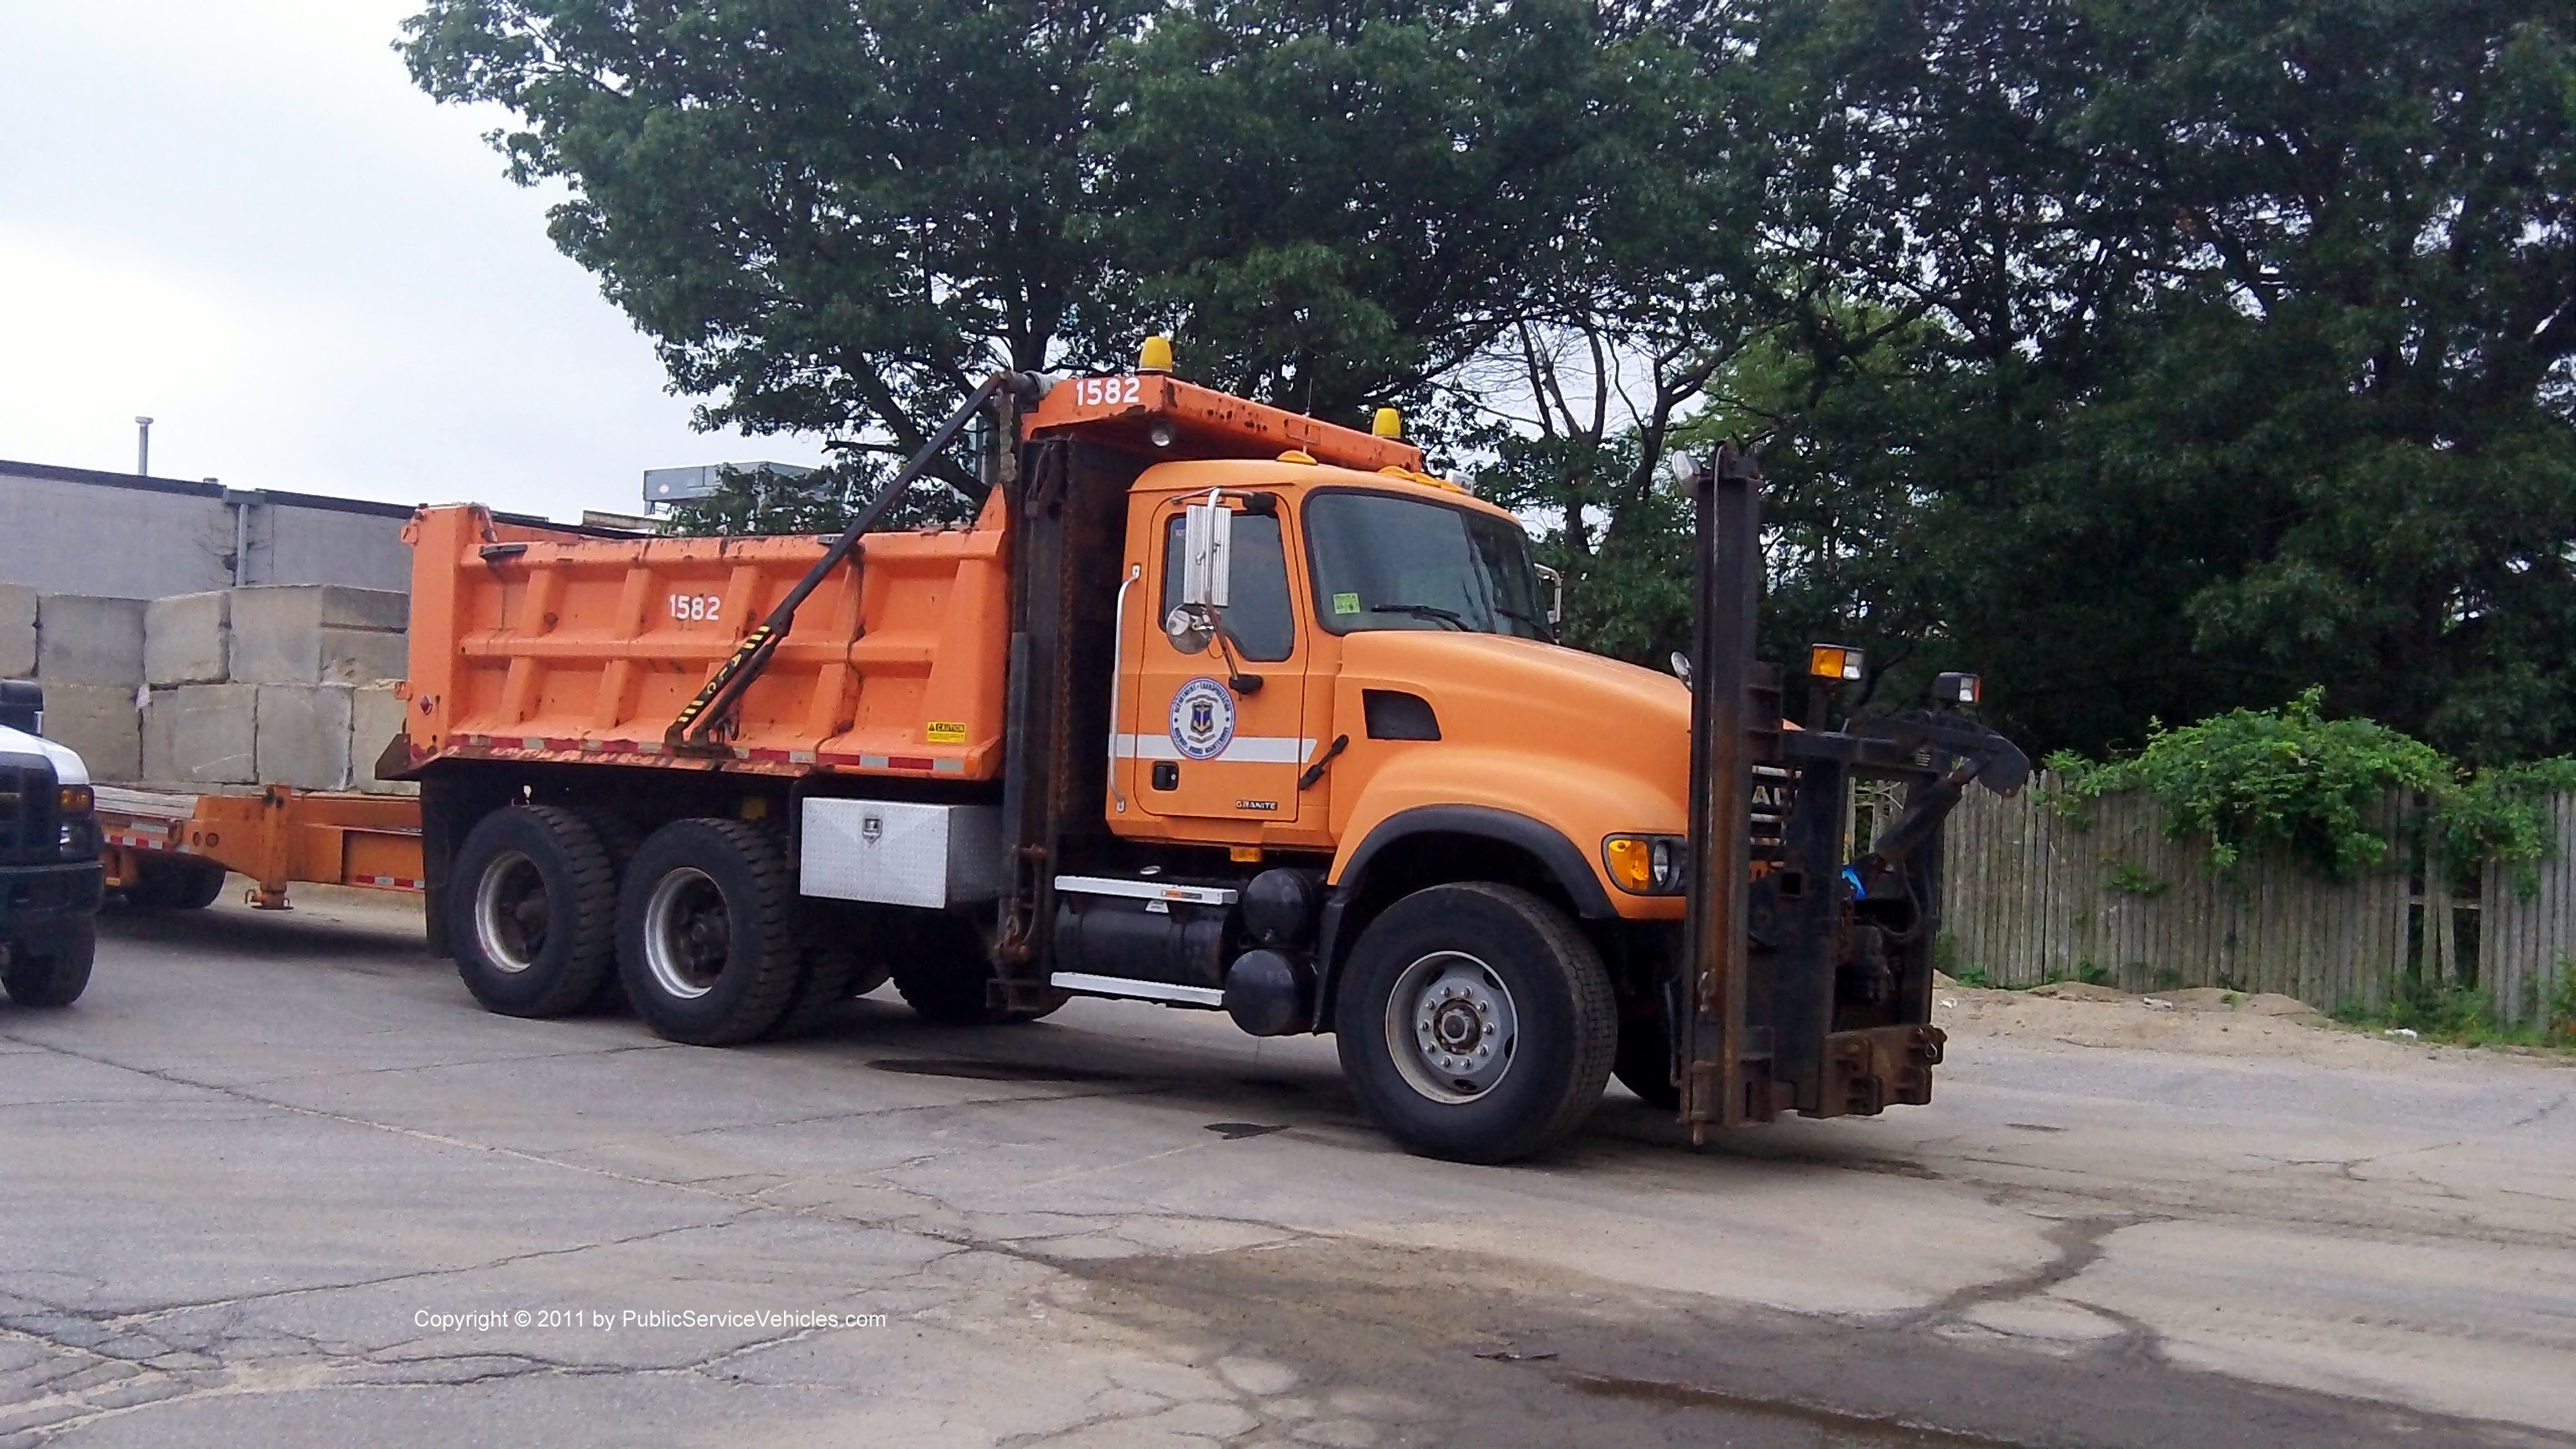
(1346, 603)
(1202, 718)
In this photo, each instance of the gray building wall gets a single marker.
(74, 531)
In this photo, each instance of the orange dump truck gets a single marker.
(1213, 706)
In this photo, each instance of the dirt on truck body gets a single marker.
(1215, 706)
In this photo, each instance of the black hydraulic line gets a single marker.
(725, 688)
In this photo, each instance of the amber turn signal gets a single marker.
(1833, 661)
(1646, 865)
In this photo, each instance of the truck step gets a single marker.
(1129, 987)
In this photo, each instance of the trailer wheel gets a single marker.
(532, 913)
(55, 976)
(1476, 1023)
(706, 938)
(174, 884)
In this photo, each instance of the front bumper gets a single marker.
(36, 901)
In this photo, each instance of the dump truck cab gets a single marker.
(1214, 706)
(1384, 667)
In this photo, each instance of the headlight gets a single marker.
(75, 800)
(1648, 865)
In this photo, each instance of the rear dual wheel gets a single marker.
(706, 939)
(532, 911)
(943, 967)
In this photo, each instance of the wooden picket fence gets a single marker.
(2032, 895)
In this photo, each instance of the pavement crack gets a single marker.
(2079, 1244)
(2541, 1113)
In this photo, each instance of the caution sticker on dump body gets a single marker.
(944, 732)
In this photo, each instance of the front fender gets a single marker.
(1557, 809)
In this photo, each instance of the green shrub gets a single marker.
(2312, 788)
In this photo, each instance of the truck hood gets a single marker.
(68, 769)
(1612, 733)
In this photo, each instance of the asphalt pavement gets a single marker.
(275, 1180)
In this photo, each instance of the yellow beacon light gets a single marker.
(1387, 424)
(1155, 355)
(1833, 661)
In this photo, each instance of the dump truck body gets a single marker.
(1213, 705)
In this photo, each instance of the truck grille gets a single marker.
(27, 828)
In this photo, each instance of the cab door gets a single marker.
(1217, 732)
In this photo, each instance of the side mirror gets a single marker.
(1190, 627)
(22, 705)
(1207, 553)
(1555, 581)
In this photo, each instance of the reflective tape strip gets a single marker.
(1241, 750)
(388, 882)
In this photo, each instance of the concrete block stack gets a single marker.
(275, 684)
(318, 634)
(17, 632)
(89, 657)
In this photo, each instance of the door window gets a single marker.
(1257, 615)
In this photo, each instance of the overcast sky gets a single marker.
(241, 219)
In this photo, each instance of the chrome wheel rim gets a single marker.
(688, 934)
(1451, 1027)
(511, 913)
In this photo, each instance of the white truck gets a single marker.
(51, 881)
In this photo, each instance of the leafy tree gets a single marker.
(1345, 201)
(2247, 329)
(829, 217)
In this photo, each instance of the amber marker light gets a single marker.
(1833, 661)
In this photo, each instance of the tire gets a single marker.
(706, 938)
(532, 914)
(201, 886)
(621, 839)
(155, 887)
(1507, 980)
(1645, 1061)
(55, 976)
(943, 968)
(840, 955)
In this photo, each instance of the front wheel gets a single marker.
(1476, 1023)
(706, 935)
(55, 975)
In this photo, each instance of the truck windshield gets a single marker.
(1387, 562)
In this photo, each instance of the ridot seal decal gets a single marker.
(1202, 719)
